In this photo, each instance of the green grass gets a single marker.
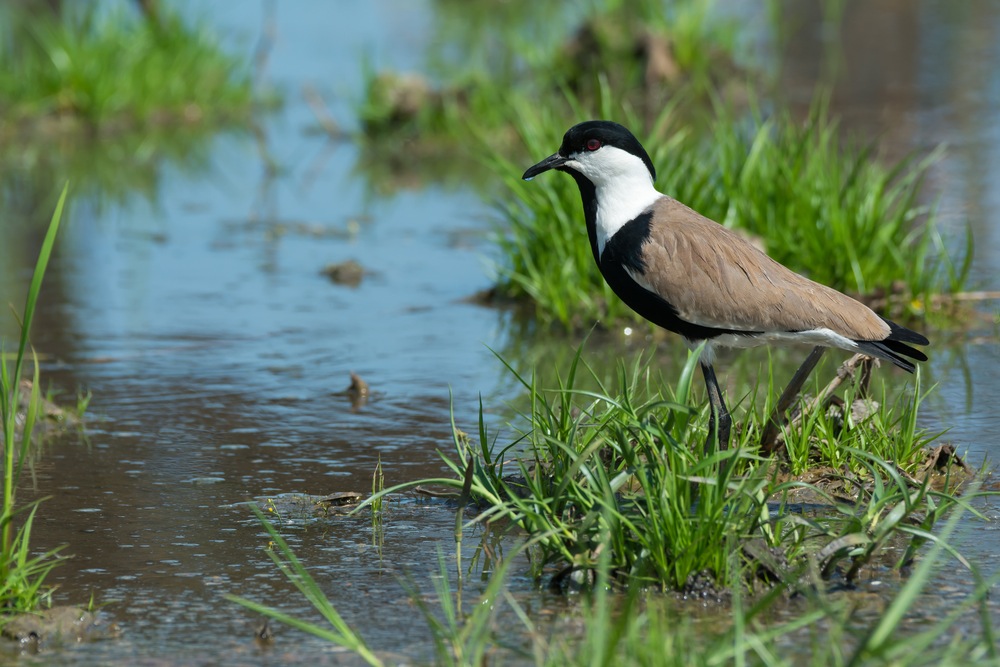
(115, 70)
(22, 571)
(606, 627)
(834, 214)
(891, 431)
(621, 466)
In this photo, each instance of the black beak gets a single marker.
(553, 161)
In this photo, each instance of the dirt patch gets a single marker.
(59, 624)
(307, 506)
(50, 418)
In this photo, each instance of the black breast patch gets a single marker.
(623, 252)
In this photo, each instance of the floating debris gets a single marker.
(264, 634)
(305, 506)
(348, 273)
(340, 498)
(358, 392)
(358, 386)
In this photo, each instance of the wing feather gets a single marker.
(716, 278)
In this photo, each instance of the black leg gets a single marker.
(720, 422)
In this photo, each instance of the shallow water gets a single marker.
(217, 353)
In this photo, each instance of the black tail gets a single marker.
(894, 347)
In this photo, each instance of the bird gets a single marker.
(693, 276)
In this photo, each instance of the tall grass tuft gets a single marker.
(617, 472)
(22, 573)
(832, 212)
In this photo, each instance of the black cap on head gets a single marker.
(608, 133)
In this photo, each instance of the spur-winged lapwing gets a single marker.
(690, 275)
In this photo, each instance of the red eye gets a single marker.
(593, 144)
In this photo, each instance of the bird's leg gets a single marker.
(770, 437)
(720, 421)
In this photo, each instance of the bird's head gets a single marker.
(600, 150)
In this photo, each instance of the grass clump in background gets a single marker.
(102, 94)
(487, 62)
(116, 70)
(647, 50)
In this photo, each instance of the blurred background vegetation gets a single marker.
(103, 93)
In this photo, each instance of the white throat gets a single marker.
(618, 202)
(623, 184)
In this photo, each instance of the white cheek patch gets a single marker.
(622, 184)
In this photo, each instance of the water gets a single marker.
(217, 352)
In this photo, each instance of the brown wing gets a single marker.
(717, 278)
